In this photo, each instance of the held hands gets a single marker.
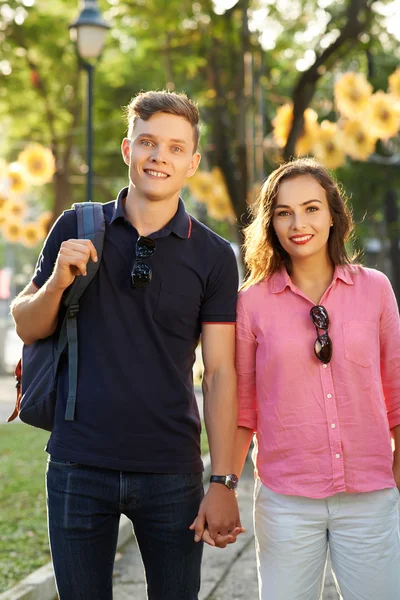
(218, 522)
(72, 261)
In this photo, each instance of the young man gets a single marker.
(134, 448)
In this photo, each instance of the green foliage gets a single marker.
(181, 45)
(204, 441)
(365, 185)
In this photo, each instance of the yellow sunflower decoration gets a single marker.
(39, 164)
(31, 234)
(15, 208)
(394, 83)
(384, 116)
(210, 189)
(357, 139)
(12, 229)
(311, 133)
(16, 178)
(44, 219)
(219, 205)
(283, 122)
(352, 94)
(329, 147)
(3, 219)
(3, 200)
(201, 185)
(36, 166)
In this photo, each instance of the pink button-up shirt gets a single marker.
(320, 429)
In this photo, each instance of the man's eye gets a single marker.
(146, 143)
(177, 149)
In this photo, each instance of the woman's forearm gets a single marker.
(242, 445)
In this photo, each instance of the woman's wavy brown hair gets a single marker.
(263, 254)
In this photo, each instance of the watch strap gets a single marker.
(230, 481)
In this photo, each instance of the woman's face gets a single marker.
(301, 218)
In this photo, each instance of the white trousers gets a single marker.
(293, 535)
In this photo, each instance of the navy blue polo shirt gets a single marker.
(136, 409)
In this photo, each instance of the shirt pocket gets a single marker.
(359, 342)
(178, 313)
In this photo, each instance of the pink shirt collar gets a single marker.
(281, 279)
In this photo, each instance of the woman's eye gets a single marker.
(283, 213)
(312, 208)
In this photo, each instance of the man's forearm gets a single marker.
(35, 314)
(220, 415)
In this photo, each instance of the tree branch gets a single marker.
(307, 83)
(17, 36)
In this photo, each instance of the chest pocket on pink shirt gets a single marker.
(360, 342)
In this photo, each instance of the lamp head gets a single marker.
(89, 30)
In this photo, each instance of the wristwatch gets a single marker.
(231, 481)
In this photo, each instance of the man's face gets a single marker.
(160, 155)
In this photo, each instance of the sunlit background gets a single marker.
(273, 79)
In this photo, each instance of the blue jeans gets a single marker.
(84, 508)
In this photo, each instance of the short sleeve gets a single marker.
(219, 302)
(65, 228)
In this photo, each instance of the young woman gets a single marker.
(318, 362)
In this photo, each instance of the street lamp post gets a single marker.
(89, 32)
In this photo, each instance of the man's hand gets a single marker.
(221, 541)
(72, 260)
(218, 522)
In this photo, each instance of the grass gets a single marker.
(23, 527)
(203, 441)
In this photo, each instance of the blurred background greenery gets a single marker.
(273, 79)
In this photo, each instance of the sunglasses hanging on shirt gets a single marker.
(142, 273)
(323, 344)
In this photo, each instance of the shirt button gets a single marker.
(337, 455)
(329, 395)
(324, 366)
(333, 425)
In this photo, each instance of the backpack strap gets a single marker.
(91, 226)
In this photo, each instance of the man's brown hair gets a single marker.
(146, 104)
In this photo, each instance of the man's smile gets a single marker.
(158, 174)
